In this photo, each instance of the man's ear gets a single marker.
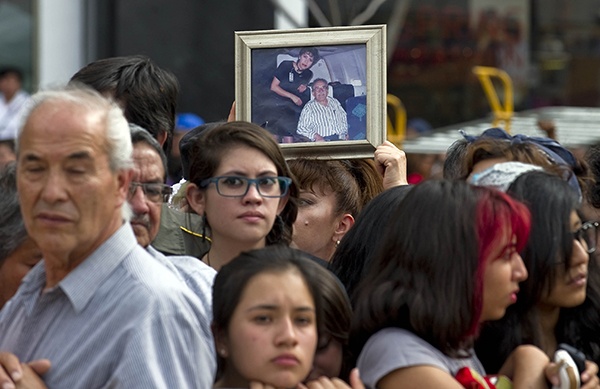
(124, 178)
(162, 137)
(344, 225)
(196, 198)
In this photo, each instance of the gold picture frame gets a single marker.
(353, 57)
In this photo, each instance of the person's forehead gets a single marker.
(147, 161)
(56, 127)
(62, 113)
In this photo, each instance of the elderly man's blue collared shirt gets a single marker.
(199, 277)
(118, 320)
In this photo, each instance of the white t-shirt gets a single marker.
(395, 348)
(11, 114)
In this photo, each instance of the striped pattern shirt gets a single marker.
(118, 320)
(199, 277)
(325, 120)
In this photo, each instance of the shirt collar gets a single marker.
(83, 281)
(160, 257)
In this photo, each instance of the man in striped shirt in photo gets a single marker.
(323, 118)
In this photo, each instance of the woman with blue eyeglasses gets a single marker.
(241, 185)
(560, 301)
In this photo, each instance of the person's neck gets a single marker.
(57, 270)
(296, 68)
(59, 264)
(327, 252)
(548, 318)
(231, 380)
(221, 253)
(325, 102)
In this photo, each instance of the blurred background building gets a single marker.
(550, 48)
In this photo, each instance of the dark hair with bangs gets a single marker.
(207, 152)
(232, 279)
(551, 201)
(321, 176)
(432, 253)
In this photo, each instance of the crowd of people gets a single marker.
(259, 272)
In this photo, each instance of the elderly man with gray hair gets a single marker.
(98, 307)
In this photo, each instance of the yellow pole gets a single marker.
(502, 112)
(396, 130)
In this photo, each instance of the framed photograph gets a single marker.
(321, 92)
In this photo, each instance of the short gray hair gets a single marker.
(118, 140)
(141, 135)
(12, 228)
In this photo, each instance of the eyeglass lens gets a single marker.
(154, 192)
(587, 234)
(238, 186)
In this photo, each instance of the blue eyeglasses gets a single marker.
(237, 186)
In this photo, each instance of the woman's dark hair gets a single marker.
(353, 256)
(454, 168)
(209, 148)
(337, 314)
(427, 276)
(577, 172)
(186, 145)
(593, 159)
(12, 228)
(232, 279)
(526, 152)
(366, 175)
(551, 201)
(322, 176)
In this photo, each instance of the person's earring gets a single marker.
(223, 353)
(337, 243)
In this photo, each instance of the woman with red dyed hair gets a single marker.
(448, 262)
